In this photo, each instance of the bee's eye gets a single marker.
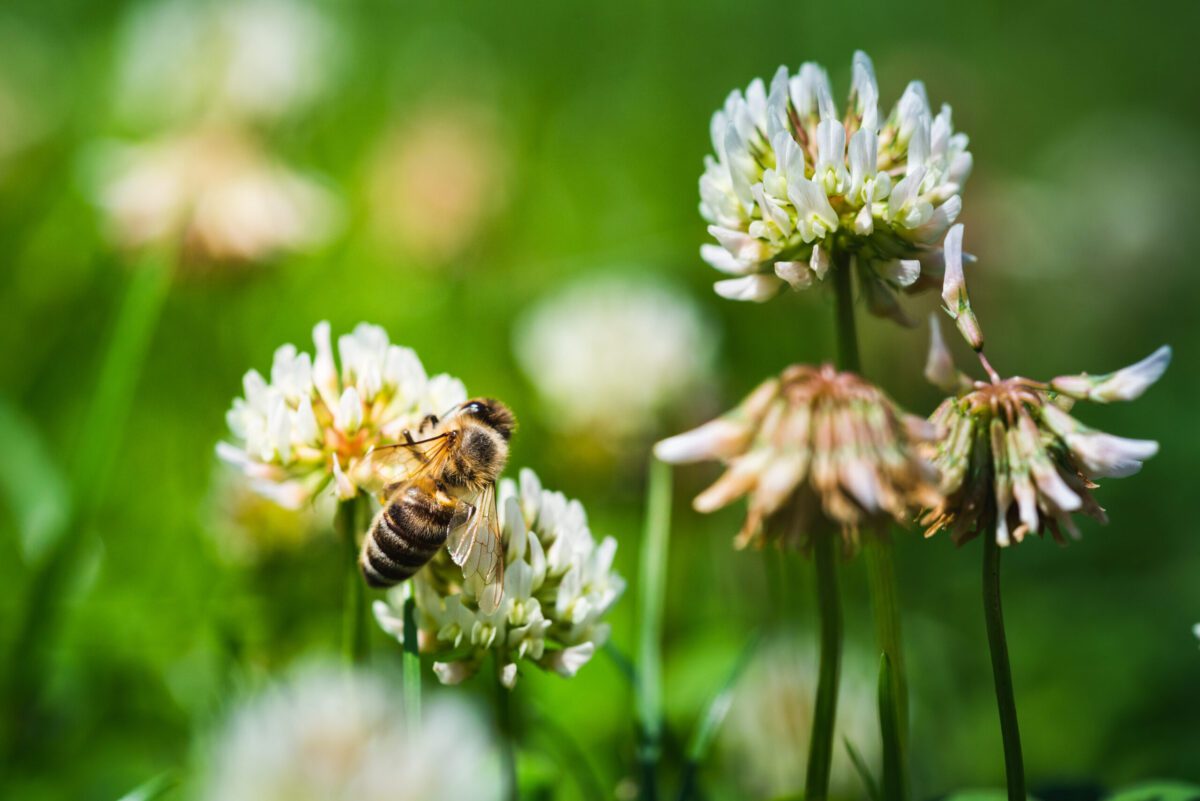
(474, 408)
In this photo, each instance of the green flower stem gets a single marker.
(847, 334)
(412, 666)
(651, 591)
(1014, 767)
(821, 743)
(881, 576)
(93, 454)
(508, 737)
(880, 563)
(347, 521)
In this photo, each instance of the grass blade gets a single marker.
(863, 770)
(714, 716)
(412, 665)
(33, 487)
(652, 571)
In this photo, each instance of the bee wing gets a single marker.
(475, 545)
(386, 465)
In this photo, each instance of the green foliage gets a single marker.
(1158, 791)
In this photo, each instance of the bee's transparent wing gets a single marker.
(476, 546)
(386, 465)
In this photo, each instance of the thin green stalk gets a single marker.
(821, 743)
(412, 666)
(354, 606)
(1014, 767)
(508, 737)
(652, 589)
(881, 575)
(93, 453)
(895, 782)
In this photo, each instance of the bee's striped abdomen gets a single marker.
(406, 534)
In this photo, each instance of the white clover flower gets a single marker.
(1012, 460)
(767, 731)
(250, 60)
(331, 734)
(559, 584)
(791, 184)
(437, 180)
(313, 422)
(610, 354)
(213, 192)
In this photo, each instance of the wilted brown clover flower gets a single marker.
(813, 448)
(1011, 458)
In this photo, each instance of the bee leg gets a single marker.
(428, 422)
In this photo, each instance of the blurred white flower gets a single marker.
(244, 59)
(312, 423)
(213, 191)
(609, 355)
(248, 527)
(766, 733)
(436, 180)
(559, 584)
(329, 734)
(792, 185)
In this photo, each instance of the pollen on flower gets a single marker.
(811, 449)
(559, 584)
(791, 183)
(314, 420)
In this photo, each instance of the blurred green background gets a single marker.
(1081, 210)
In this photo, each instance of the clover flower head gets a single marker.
(648, 347)
(812, 448)
(327, 733)
(559, 584)
(314, 419)
(249, 60)
(437, 180)
(214, 194)
(791, 185)
(1012, 459)
(770, 721)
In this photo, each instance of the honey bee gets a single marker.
(439, 488)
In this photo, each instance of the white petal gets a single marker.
(939, 364)
(902, 272)
(724, 261)
(718, 439)
(756, 287)
(508, 675)
(743, 246)
(349, 414)
(568, 661)
(797, 273)
(1125, 384)
(819, 262)
(453, 672)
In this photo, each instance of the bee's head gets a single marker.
(491, 412)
